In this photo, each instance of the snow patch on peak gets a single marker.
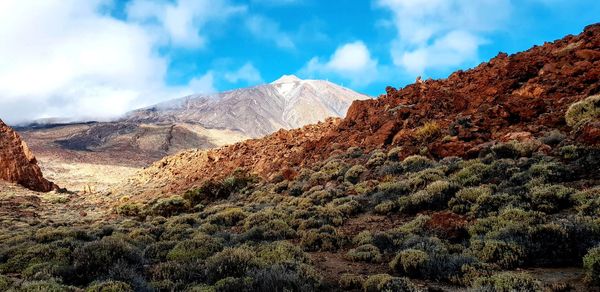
(286, 79)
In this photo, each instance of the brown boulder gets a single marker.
(17, 163)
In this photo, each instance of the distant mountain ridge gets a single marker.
(198, 121)
(286, 103)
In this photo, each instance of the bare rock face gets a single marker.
(17, 163)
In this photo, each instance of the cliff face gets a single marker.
(522, 96)
(17, 163)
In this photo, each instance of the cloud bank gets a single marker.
(69, 58)
(438, 34)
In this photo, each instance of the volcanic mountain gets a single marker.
(17, 163)
(287, 103)
(197, 121)
(523, 96)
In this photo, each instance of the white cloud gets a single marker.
(183, 21)
(351, 61)
(65, 58)
(438, 34)
(203, 84)
(278, 2)
(267, 29)
(247, 73)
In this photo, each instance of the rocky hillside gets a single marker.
(287, 103)
(17, 163)
(519, 97)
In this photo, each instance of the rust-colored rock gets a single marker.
(526, 93)
(17, 163)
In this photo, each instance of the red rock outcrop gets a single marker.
(17, 163)
(521, 96)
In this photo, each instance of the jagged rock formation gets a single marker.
(287, 103)
(17, 163)
(526, 94)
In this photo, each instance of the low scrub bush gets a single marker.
(196, 249)
(354, 173)
(322, 239)
(364, 253)
(106, 258)
(231, 262)
(351, 282)
(170, 206)
(109, 286)
(583, 111)
(591, 265)
(410, 262)
(385, 282)
(507, 282)
(417, 163)
(550, 198)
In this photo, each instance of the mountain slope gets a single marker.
(287, 103)
(523, 95)
(198, 121)
(17, 163)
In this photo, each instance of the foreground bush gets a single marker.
(385, 282)
(591, 264)
(583, 111)
(507, 282)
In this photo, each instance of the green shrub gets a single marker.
(109, 286)
(428, 131)
(231, 262)
(507, 282)
(105, 257)
(464, 199)
(354, 173)
(195, 249)
(351, 282)
(175, 274)
(364, 237)
(377, 158)
(394, 154)
(170, 206)
(228, 217)
(591, 265)
(553, 137)
(416, 163)
(364, 253)
(410, 262)
(322, 239)
(270, 230)
(213, 190)
(46, 286)
(279, 252)
(435, 197)
(232, 284)
(473, 174)
(288, 276)
(550, 172)
(550, 198)
(587, 201)
(387, 283)
(131, 210)
(506, 255)
(5, 283)
(583, 111)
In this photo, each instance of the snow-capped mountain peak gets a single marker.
(287, 79)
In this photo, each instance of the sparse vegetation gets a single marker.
(583, 111)
(467, 222)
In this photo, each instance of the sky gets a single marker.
(97, 59)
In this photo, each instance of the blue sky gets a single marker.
(100, 58)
